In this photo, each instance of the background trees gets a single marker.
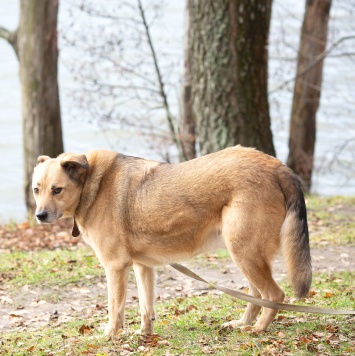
(35, 44)
(125, 69)
(308, 88)
(116, 82)
(225, 80)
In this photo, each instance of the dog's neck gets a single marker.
(88, 196)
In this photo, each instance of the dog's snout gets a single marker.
(42, 216)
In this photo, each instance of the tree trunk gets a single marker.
(307, 89)
(229, 73)
(187, 127)
(38, 57)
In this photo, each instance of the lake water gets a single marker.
(335, 118)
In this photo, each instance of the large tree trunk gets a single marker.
(38, 54)
(307, 89)
(35, 44)
(229, 73)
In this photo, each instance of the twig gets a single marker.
(328, 164)
(163, 95)
(318, 59)
(11, 37)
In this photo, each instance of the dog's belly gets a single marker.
(168, 249)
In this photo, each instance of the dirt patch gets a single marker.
(36, 307)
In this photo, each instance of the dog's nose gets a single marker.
(42, 216)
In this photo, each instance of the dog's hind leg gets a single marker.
(252, 244)
(145, 277)
(252, 310)
(259, 274)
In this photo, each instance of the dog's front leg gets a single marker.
(146, 290)
(117, 279)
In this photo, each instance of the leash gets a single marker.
(261, 302)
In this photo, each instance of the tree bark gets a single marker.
(229, 73)
(307, 90)
(35, 44)
(188, 126)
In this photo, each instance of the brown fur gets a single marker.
(144, 213)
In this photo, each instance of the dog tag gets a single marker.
(75, 232)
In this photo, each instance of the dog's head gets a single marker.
(57, 184)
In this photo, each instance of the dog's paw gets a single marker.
(111, 332)
(238, 324)
(144, 331)
(139, 332)
(233, 324)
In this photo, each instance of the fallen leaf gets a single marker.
(319, 334)
(84, 329)
(332, 328)
(23, 226)
(305, 340)
(190, 307)
(312, 293)
(4, 299)
(333, 340)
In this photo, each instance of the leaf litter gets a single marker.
(81, 302)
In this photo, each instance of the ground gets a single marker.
(32, 307)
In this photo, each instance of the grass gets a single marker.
(49, 268)
(331, 220)
(192, 326)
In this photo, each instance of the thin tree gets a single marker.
(35, 44)
(229, 71)
(307, 90)
(188, 126)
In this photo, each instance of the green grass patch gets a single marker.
(49, 268)
(331, 220)
(192, 326)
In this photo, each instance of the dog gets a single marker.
(143, 213)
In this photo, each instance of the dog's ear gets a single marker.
(76, 167)
(41, 159)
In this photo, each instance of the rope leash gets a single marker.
(262, 302)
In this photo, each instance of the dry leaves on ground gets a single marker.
(25, 237)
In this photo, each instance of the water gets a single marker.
(335, 119)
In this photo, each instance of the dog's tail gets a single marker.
(294, 233)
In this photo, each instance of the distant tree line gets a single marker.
(224, 95)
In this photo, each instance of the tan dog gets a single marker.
(143, 213)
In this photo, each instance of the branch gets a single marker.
(93, 12)
(163, 94)
(318, 59)
(329, 164)
(11, 37)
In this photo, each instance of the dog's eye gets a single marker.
(57, 190)
(35, 190)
